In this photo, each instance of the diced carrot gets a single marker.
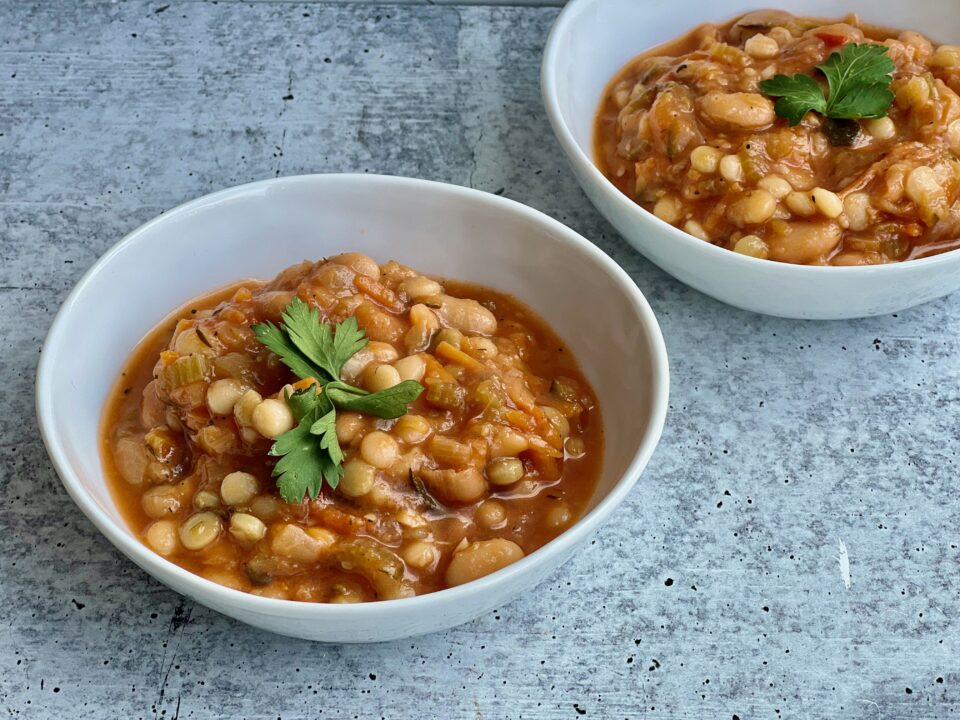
(379, 292)
(458, 356)
(435, 369)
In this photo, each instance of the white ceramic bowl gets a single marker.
(593, 39)
(257, 230)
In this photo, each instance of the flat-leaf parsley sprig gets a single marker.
(310, 453)
(858, 80)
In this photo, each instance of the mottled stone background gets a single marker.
(714, 592)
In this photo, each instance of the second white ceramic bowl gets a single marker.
(593, 39)
(256, 231)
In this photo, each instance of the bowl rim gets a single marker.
(549, 82)
(198, 587)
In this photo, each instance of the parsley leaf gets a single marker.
(858, 79)
(390, 403)
(304, 462)
(798, 95)
(326, 347)
(310, 453)
(278, 343)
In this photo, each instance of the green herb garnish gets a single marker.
(310, 453)
(858, 78)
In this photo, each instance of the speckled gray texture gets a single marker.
(715, 592)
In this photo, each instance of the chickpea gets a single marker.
(272, 418)
(411, 367)
(505, 471)
(946, 56)
(575, 447)
(781, 34)
(206, 500)
(558, 516)
(380, 377)
(481, 558)
(731, 168)
(244, 407)
(199, 530)
(762, 47)
(358, 478)
(162, 537)
(491, 514)
(420, 554)
(247, 528)
(238, 488)
(349, 426)
(222, 395)
(880, 128)
(379, 449)
(669, 208)
(412, 429)
(705, 159)
(751, 245)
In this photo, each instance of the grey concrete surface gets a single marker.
(715, 592)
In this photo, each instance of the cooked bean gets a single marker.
(692, 227)
(669, 209)
(731, 168)
(463, 314)
(776, 186)
(272, 418)
(505, 470)
(738, 111)
(557, 419)
(507, 442)
(349, 426)
(379, 449)
(761, 47)
(411, 367)
(222, 395)
(247, 528)
(380, 377)
(880, 128)
(491, 514)
(162, 537)
(804, 242)
(238, 488)
(751, 245)
(801, 203)
(456, 486)
(575, 447)
(705, 159)
(421, 554)
(946, 56)
(359, 263)
(481, 558)
(206, 500)
(161, 501)
(420, 287)
(412, 429)
(856, 206)
(827, 202)
(558, 516)
(754, 208)
(199, 530)
(244, 407)
(358, 478)
(265, 507)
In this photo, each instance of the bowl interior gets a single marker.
(257, 230)
(595, 38)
